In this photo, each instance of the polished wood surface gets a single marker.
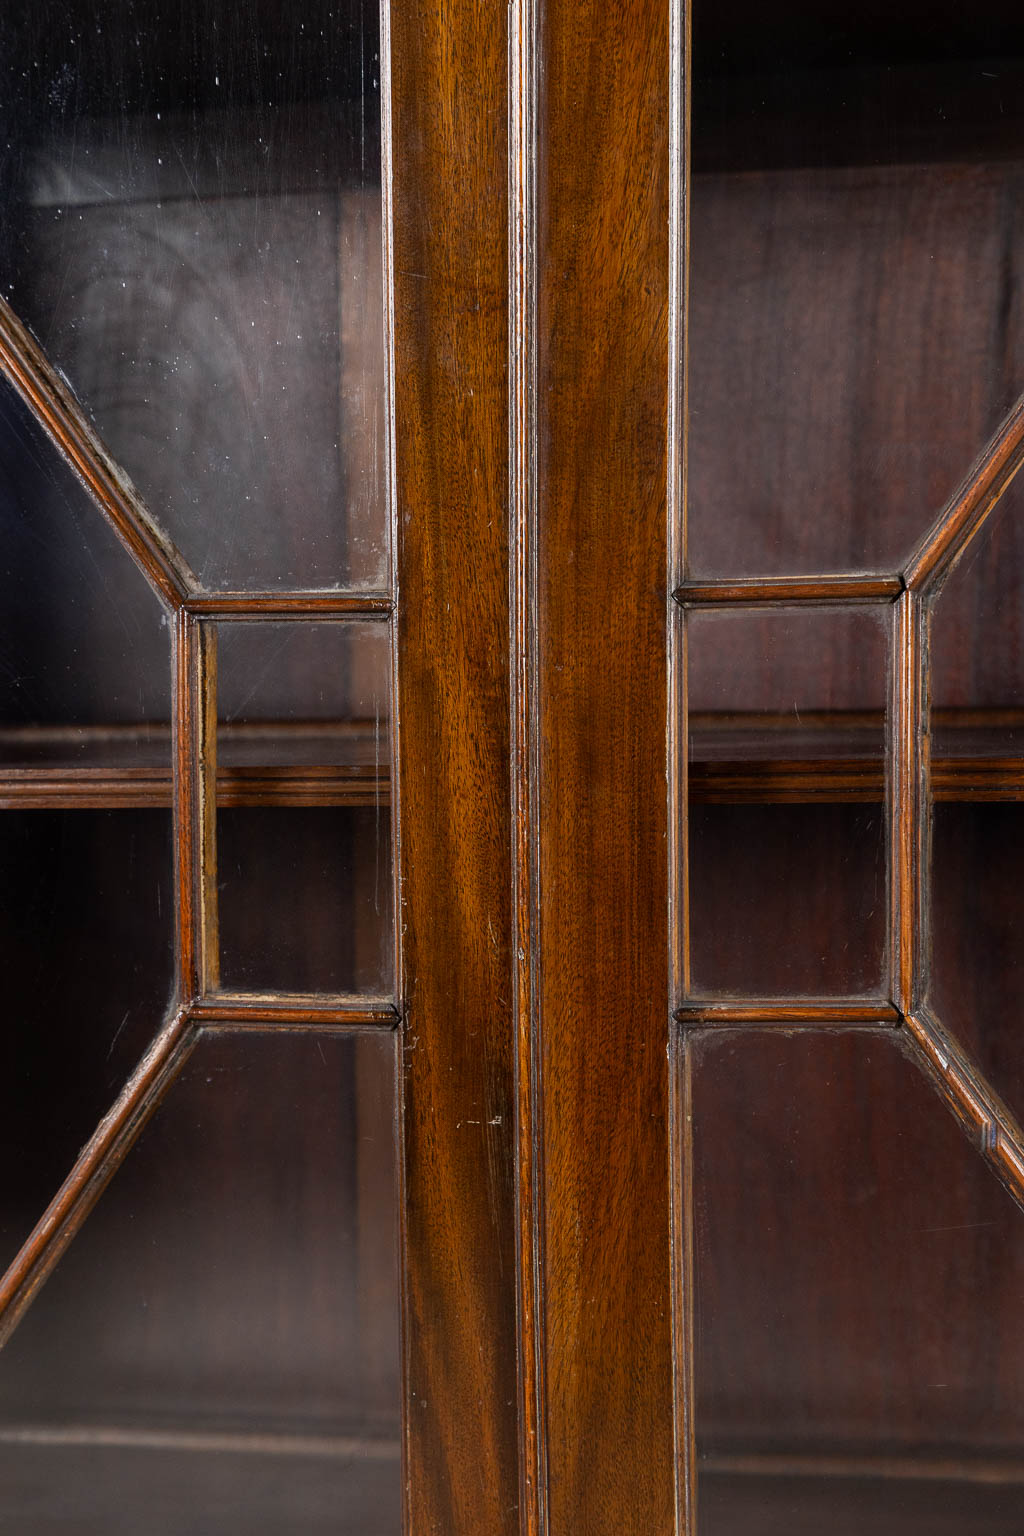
(458, 1108)
(602, 370)
(853, 1266)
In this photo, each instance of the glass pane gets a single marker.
(855, 331)
(218, 1349)
(976, 983)
(192, 227)
(786, 786)
(859, 1355)
(86, 910)
(303, 831)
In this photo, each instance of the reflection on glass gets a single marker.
(303, 831)
(855, 330)
(86, 908)
(976, 977)
(786, 796)
(218, 1349)
(192, 227)
(859, 1355)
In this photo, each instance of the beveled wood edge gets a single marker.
(291, 1010)
(93, 1169)
(907, 776)
(195, 747)
(152, 788)
(677, 477)
(833, 781)
(52, 403)
(186, 790)
(679, 772)
(265, 607)
(205, 812)
(970, 505)
(754, 591)
(680, 1144)
(390, 492)
(680, 1115)
(787, 1013)
(850, 781)
(523, 66)
(963, 1086)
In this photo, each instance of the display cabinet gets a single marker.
(509, 756)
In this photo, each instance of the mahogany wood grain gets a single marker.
(195, 747)
(208, 747)
(283, 1010)
(602, 620)
(256, 606)
(786, 782)
(524, 80)
(684, 1294)
(783, 589)
(772, 782)
(908, 779)
(814, 1013)
(449, 291)
(188, 793)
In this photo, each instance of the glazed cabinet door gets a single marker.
(767, 278)
(254, 771)
(849, 677)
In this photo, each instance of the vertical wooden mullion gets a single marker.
(446, 175)
(195, 774)
(682, 1042)
(909, 808)
(523, 100)
(209, 927)
(186, 802)
(683, 1302)
(603, 262)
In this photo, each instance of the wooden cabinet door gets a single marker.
(766, 371)
(510, 768)
(256, 800)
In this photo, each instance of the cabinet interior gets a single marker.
(855, 337)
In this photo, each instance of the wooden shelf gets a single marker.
(839, 757)
(129, 767)
(750, 759)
